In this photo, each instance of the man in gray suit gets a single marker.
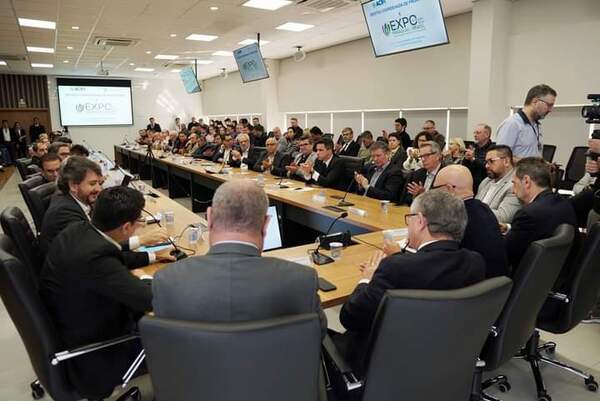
(496, 189)
(232, 282)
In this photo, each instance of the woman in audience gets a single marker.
(456, 151)
(413, 162)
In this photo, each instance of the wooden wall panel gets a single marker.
(32, 88)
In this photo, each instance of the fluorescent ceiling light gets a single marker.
(69, 47)
(166, 57)
(175, 70)
(35, 23)
(144, 69)
(271, 5)
(132, 64)
(214, 8)
(66, 61)
(205, 62)
(34, 49)
(148, 52)
(202, 38)
(173, 35)
(75, 28)
(223, 53)
(246, 42)
(294, 27)
(42, 65)
(2, 62)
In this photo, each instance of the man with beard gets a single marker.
(496, 190)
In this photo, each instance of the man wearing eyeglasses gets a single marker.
(522, 131)
(421, 180)
(496, 189)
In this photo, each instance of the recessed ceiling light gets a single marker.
(202, 38)
(132, 64)
(246, 42)
(175, 70)
(66, 61)
(42, 65)
(75, 28)
(166, 57)
(148, 52)
(205, 62)
(173, 35)
(141, 69)
(294, 27)
(223, 53)
(2, 62)
(34, 49)
(267, 4)
(214, 8)
(35, 23)
(69, 47)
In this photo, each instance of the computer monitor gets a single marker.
(273, 238)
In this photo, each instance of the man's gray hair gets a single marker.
(239, 206)
(435, 147)
(445, 213)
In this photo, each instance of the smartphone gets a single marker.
(325, 285)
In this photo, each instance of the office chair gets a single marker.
(33, 169)
(423, 344)
(15, 225)
(575, 167)
(532, 283)
(548, 152)
(25, 308)
(22, 166)
(564, 311)
(351, 164)
(30, 182)
(269, 360)
(39, 197)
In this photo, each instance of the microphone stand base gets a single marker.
(345, 203)
(178, 254)
(320, 259)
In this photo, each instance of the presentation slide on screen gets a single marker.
(402, 25)
(95, 105)
(190, 82)
(250, 63)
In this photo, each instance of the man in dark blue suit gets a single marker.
(482, 234)
(543, 210)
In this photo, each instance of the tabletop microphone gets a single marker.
(318, 258)
(280, 184)
(343, 201)
(176, 252)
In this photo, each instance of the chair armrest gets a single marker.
(561, 297)
(86, 349)
(351, 382)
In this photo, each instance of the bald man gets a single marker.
(482, 233)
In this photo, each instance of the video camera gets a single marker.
(592, 116)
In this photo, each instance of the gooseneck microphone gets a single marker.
(280, 184)
(176, 252)
(318, 258)
(343, 201)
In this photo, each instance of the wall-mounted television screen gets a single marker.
(189, 79)
(250, 63)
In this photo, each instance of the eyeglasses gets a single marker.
(550, 105)
(406, 216)
(427, 155)
(492, 160)
(442, 186)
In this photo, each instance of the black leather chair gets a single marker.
(351, 165)
(548, 152)
(15, 225)
(20, 296)
(423, 344)
(575, 167)
(33, 169)
(22, 167)
(27, 185)
(270, 360)
(532, 282)
(565, 310)
(40, 201)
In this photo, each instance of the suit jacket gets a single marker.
(419, 175)
(504, 203)
(482, 235)
(351, 150)
(63, 211)
(156, 127)
(91, 297)
(537, 220)
(34, 132)
(331, 176)
(258, 141)
(300, 159)
(219, 154)
(388, 185)
(441, 265)
(13, 137)
(280, 160)
(399, 157)
(233, 283)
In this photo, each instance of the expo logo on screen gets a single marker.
(401, 25)
(93, 107)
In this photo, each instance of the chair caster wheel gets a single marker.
(37, 391)
(544, 397)
(591, 384)
(504, 387)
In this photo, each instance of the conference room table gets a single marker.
(344, 272)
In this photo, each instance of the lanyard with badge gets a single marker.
(535, 131)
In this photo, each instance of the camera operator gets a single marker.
(587, 200)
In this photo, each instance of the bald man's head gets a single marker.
(456, 179)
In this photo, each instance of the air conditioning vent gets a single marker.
(325, 5)
(101, 41)
(12, 57)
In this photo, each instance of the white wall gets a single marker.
(225, 96)
(164, 99)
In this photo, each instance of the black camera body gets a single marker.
(592, 116)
